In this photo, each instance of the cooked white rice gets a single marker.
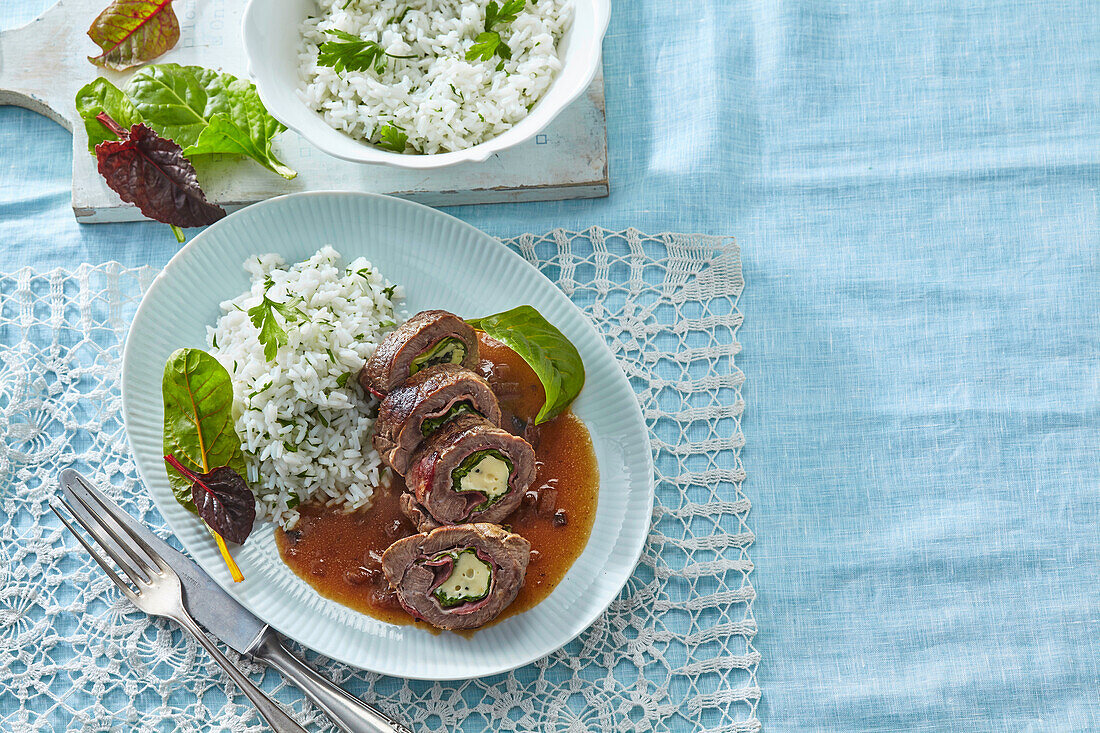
(439, 99)
(303, 420)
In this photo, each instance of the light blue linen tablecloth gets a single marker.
(914, 188)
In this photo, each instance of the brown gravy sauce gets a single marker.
(340, 554)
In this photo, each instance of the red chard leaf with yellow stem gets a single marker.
(224, 501)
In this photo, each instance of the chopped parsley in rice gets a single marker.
(429, 76)
(303, 420)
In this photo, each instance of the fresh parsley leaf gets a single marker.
(342, 379)
(272, 333)
(485, 46)
(489, 43)
(288, 311)
(388, 292)
(392, 138)
(352, 53)
(502, 15)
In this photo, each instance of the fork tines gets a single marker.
(139, 562)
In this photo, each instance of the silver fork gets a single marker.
(157, 591)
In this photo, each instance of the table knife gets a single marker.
(236, 626)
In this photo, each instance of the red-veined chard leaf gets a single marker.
(222, 499)
(145, 169)
(198, 418)
(552, 356)
(131, 32)
(207, 112)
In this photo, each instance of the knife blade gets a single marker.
(208, 603)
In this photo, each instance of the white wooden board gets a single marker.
(43, 63)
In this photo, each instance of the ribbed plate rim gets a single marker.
(625, 546)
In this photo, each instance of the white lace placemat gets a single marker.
(674, 651)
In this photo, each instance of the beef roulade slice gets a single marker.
(424, 404)
(429, 337)
(458, 577)
(468, 471)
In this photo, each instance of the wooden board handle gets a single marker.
(32, 72)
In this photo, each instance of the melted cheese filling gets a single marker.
(469, 579)
(489, 476)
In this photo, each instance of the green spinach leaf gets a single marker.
(207, 113)
(198, 419)
(552, 356)
(100, 96)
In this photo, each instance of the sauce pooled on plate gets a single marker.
(340, 554)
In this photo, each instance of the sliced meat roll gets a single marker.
(424, 404)
(469, 471)
(429, 337)
(457, 577)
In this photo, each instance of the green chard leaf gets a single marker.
(207, 113)
(100, 96)
(131, 32)
(198, 419)
(552, 356)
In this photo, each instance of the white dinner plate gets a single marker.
(443, 263)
